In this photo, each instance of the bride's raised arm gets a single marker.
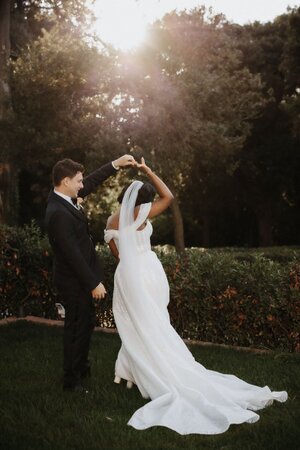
(165, 195)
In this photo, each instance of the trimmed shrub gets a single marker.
(221, 298)
(25, 273)
(232, 296)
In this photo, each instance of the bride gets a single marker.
(185, 396)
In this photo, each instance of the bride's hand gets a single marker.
(142, 166)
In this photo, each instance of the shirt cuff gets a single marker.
(115, 167)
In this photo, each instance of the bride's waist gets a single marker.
(141, 253)
(144, 249)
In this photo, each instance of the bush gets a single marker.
(219, 297)
(232, 296)
(25, 273)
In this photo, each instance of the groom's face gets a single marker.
(74, 184)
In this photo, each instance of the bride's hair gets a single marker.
(146, 194)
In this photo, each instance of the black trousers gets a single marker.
(80, 321)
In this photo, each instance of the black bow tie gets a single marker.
(78, 206)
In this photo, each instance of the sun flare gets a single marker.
(121, 24)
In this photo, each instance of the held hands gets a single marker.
(142, 166)
(129, 161)
(99, 292)
(125, 161)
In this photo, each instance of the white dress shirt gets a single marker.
(114, 166)
(65, 197)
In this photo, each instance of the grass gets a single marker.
(36, 415)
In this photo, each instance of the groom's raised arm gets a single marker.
(92, 181)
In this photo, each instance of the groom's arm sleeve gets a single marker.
(64, 237)
(92, 181)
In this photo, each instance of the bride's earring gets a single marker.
(129, 384)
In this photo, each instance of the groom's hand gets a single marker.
(99, 292)
(124, 161)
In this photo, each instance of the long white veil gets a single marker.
(130, 267)
(153, 335)
(128, 248)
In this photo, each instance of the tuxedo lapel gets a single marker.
(78, 213)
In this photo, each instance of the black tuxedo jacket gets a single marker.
(76, 264)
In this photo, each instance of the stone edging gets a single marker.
(60, 323)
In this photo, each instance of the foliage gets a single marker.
(269, 162)
(60, 94)
(25, 267)
(229, 296)
(213, 106)
(239, 299)
(186, 102)
(29, 18)
(58, 111)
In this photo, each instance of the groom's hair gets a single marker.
(65, 168)
(146, 194)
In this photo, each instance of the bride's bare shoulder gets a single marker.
(113, 221)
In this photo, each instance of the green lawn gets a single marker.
(35, 414)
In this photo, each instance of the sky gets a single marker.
(123, 22)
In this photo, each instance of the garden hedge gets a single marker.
(232, 296)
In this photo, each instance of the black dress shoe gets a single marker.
(76, 388)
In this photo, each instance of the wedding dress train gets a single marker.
(185, 396)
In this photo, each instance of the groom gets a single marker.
(77, 273)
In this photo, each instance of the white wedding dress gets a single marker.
(185, 396)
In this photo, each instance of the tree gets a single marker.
(4, 56)
(268, 160)
(6, 189)
(60, 96)
(188, 102)
(21, 22)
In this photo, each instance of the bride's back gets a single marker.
(113, 220)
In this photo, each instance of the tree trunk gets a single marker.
(4, 57)
(265, 225)
(5, 109)
(206, 227)
(178, 227)
(6, 193)
(265, 230)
